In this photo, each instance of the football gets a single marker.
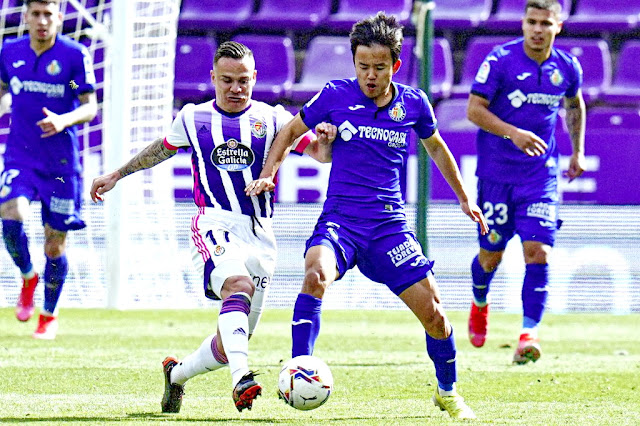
(305, 382)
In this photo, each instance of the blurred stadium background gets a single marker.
(134, 252)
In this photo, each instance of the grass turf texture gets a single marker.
(105, 368)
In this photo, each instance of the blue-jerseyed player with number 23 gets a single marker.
(515, 101)
(48, 80)
(363, 222)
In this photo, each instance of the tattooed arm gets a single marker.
(576, 121)
(152, 155)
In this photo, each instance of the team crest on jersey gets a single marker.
(556, 77)
(54, 68)
(494, 237)
(398, 112)
(259, 129)
(232, 156)
(218, 251)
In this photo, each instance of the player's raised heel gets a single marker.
(47, 328)
(24, 307)
(478, 325)
(172, 398)
(246, 391)
(528, 350)
(454, 405)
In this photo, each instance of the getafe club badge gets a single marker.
(259, 129)
(494, 237)
(54, 68)
(398, 113)
(556, 77)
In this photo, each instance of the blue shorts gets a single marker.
(59, 194)
(529, 210)
(387, 252)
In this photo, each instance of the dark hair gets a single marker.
(551, 5)
(28, 2)
(233, 50)
(380, 29)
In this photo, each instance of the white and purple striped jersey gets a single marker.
(228, 152)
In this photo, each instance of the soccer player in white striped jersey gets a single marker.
(233, 244)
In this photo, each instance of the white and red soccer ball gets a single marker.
(305, 382)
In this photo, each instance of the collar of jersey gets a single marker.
(231, 114)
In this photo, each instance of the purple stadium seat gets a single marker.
(442, 69)
(625, 89)
(73, 21)
(461, 14)
(477, 49)
(327, 58)
(194, 60)
(410, 68)
(12, 12)
(594, 16)
(508, 15)
(290, 14)
(609, 118)
(275, 63)
(351, 11)
(452, 117)
(595, 59)
(214, 15)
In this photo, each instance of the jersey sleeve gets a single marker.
(426, 124)
(177, 136)
(488, 77)
(83, 74)
(572, 91)
(317, 109)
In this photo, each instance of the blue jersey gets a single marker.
(53, 80)
(371, 148)
(529, 96)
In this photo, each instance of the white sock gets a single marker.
(533, 332)
(29, 275)
(447, 393)
(199, 362)
(234, 330)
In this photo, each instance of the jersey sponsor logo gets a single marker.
(494, 237)
(18, 63)
(398, 112)
(556, 77)
(483, 72)
(232, 156)
(356, 107)
(393, 138)
(523, 76)
(259, 129)
(49, 89)
(54, 68)
(406, 251)
(518, 98)
(542, 210)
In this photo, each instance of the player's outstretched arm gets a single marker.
(279, 150)
(478, 113)
(576, 122)
(53, 123)
(152, 155)
(441, 155)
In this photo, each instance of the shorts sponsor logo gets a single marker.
(544, 211)
(62, 206)
(218, 251)
(232, 156)
(259, 129)
(494, 237)
(406, 251)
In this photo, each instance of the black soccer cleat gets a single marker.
(172, 398)
(246, 391)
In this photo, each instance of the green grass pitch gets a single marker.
(105, 369)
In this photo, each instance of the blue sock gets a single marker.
(17, 244)
(534, 293)
(441, 352)
(55, 272)
(306, 324)
(481, 281)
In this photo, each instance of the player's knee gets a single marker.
(537, 253)
(315, 282)
(238, 284)
(53, 249)
(490, 260)
(10, 211)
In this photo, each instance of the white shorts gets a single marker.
(223, 244)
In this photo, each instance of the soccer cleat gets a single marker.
(24, 307)
(478, 323)
(246, 391)
(47, 327)
(528, 350)
(172, 398)
(454, 405)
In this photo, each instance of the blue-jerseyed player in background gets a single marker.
(363, 222)
(515, 101)
(50, 80)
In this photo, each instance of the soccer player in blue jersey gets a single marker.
(515, 101)
(49, 79)
(233, 248)
(363, 222)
